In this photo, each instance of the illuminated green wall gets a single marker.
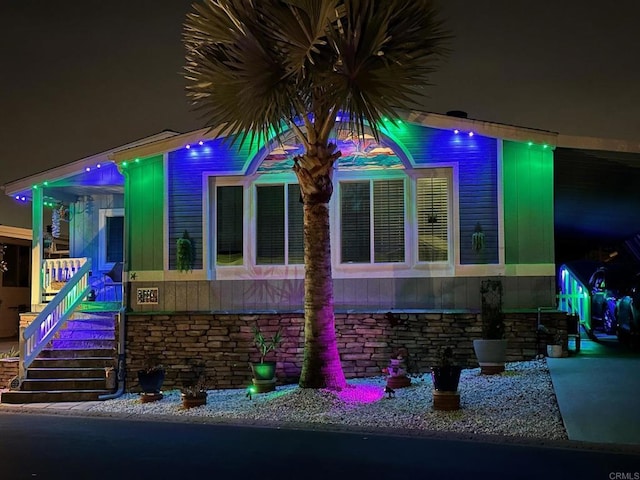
(528, 203)
(144, 214)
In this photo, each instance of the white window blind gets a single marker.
(388, 220)
(295, 217)
(433, 219)
(355, 222)
(279, 224)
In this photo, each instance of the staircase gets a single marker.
(72, 366)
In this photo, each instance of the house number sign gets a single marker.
(147, 296)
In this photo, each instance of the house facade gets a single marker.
(418, 220)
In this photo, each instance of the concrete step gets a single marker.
(78, 352)
(17, 397)
(74, 362)
(66, 344)
(90, 323)
(90, 334)
(65, 372)
(62, 384)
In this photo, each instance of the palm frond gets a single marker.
(253, 66)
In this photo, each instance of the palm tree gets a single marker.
(256, 68)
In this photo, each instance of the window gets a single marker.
(356, 198)
(433, 218)
(229, 210)
(111, 237)
(17, 258)
(279, 225)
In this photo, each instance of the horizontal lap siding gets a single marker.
(185, 177)
(477, 161)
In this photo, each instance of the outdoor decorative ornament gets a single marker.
(477, 239)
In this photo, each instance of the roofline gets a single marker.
(594, 143)
(157, 147)
(15, 232)
(77, 166)
(481, 127)
(435, 120)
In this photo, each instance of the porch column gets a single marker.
(37, 196)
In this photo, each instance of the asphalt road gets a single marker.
(57, 447)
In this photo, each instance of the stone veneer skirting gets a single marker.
(223, 342)
(8, 370)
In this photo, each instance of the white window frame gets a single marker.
(103, 214)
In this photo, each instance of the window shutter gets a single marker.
(355, 222)
(229, 210)
(295, 217)
(433, 221)
(388, 220)
(270, 225)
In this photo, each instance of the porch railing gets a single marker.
(41, 331)
(574, 296)
(56, 271)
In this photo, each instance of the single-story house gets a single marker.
(418, 221)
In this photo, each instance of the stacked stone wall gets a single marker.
(223, 343)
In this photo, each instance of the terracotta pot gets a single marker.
(191, 400)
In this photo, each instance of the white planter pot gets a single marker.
(491, 355)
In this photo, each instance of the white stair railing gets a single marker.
(56, 271)
(41, 331)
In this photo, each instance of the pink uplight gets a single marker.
(361, 394)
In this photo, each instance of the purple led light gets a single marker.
(200, 142)
(456, 131)
(188, 147)
(88, 169)
(471, 134)
(98, 166)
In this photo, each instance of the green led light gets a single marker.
(124, 164)
(545, 146)
(530, 144)
(46, 183)
(35, 187)
(137, 160)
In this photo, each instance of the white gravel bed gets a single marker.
(519, 403)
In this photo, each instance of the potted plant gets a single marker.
(150, 380)
(491, 350)
(194, 390)
(264, 373)
(446, 377)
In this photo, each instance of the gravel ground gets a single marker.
(517, 403)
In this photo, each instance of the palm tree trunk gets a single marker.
(321, 366)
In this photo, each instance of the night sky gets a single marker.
(80, 77)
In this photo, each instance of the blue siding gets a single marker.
(185, 169)
(477, 159)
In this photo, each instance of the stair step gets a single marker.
(77, 352)
(64, 344)
(96, 361)
(62, 384)
(91, 334)
(65, 372)
(17, 397)
(89, 324)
